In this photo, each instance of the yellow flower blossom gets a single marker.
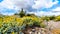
(13, 32)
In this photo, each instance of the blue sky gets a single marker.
(38, 7)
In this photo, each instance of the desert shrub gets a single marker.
(12, 24)
(57, 18)
(51, 17)
(42, 25)
(33, 21)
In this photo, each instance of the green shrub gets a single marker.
(57, 18)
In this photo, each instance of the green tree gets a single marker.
(16, 14)
(52, 17)
(22, 13)
(31, 15)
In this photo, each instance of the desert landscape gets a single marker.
(29, 16)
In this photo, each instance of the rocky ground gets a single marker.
(52, 28)
(53, 24)
(37, 30)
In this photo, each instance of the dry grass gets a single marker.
(56, 31)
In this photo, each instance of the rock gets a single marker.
(37, 30)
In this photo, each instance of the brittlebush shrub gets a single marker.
(57, 18)
(33, 20)
(10, 24)
(14, 24)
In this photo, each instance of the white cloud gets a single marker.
(56, 9)
(16, 4)
(44, 3)
(43, 13)
(8, 13)
(7, 4)
(23, 3)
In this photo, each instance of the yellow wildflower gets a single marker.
(13, 32)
